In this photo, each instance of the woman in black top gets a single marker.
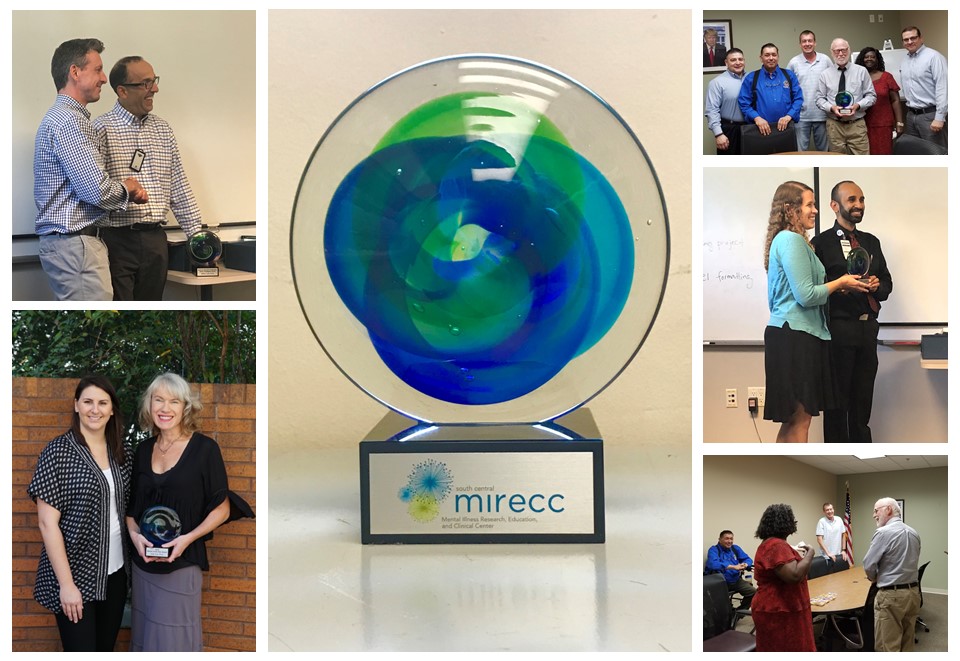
(81, 486)
(183, 470)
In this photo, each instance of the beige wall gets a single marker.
(909, 403)
(752, 29)
(924, 492)
(317, 69)
(736, 490)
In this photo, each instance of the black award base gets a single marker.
(500, 484)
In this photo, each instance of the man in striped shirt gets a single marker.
(71, 187)
(137, 142)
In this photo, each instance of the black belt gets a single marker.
(921, 111)
(90, 230)
(901, 586)
(143, 227)
(730, 121)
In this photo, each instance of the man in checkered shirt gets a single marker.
(138, 143)
(70, 185)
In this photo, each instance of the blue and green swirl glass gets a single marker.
(479, 239)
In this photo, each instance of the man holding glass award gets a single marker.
(844, 92)
(844, 249)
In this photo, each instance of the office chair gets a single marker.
(856, 629)
(912, 145)
(920, 623)
(718, 634)
(839, 565)
(818, 567)
(736, 599)
(752, 143)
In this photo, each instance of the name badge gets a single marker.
(137, 161)
(845, 247)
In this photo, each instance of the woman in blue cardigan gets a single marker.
(796, 356)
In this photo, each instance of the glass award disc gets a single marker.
(479, 239)
(160, 525)
(858, 262)
(205, 247)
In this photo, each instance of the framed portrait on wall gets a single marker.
(903, 511)
(717, 40)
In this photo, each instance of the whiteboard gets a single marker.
(906, 208)
(736, 206)
(206, 61)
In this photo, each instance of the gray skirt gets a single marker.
(165, 611)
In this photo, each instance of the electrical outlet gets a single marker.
(731, 398)
(871, 18)
(759, 392)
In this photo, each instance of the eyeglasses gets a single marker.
(146, 84)
(840, 51)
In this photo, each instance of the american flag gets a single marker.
(848, 527)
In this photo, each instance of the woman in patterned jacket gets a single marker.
(81, 486)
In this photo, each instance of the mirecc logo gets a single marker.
(427, 486)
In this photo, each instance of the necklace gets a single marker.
(163, 451)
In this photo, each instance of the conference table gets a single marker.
(850, 585)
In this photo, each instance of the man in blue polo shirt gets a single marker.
(730, 560)
(771, 95)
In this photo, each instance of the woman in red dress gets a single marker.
(781, 607)
(886, 115)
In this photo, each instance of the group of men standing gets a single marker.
(103, 188)
(891, 564)
(807, 95)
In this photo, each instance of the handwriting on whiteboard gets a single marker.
(724, 245)
(727, 278)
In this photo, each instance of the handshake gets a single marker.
(138, 194)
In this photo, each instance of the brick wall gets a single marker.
(42, 410)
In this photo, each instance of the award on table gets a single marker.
(844, 101)
(159, 525)
(205, 249)
(480, 244)
(858, 262)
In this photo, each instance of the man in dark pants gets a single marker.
(853, 317)
(728, 559)
(136, 141)
(721, 107)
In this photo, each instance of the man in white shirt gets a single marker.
(808, 66)
(831, 535)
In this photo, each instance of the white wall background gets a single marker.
(206, 61)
